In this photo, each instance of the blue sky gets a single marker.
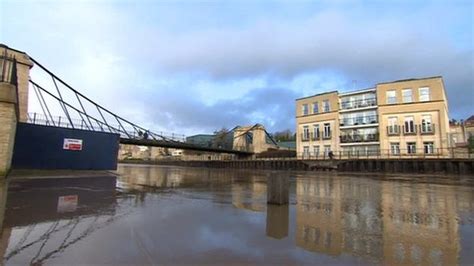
(196, 66)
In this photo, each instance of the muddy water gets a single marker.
(169, 215)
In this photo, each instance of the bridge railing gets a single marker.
(424, 153)
(73, 123)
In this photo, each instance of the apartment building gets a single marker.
(399, 118)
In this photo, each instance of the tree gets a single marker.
(285, 135)
(220, 135)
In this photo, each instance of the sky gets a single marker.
(197, 66)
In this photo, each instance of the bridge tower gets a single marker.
(258, 141)
(13, 100)
(23, 66)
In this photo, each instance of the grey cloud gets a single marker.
(370, 52)
(273, 107)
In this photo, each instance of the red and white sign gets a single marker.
(67, 203)
(72, 144)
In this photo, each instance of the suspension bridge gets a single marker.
(63, 113)
(76, 116)
(58, 105)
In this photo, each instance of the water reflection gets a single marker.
(420, 225)
(277, 221)
(45, 217)
(195, 215)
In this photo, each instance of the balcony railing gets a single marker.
(327, 136)
(346, 105)
(409, 130)
(427, 129)
(305, 137)
(365, 120)
(315, 135)
(356, 138)
(393, 130)
(311, 136)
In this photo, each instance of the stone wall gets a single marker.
(7, 126)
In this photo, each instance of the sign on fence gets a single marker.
(72, 144)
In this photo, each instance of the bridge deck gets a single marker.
(179, 145)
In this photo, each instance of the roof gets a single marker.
(357, 91)
(411, 79)
(6, 46)
(319, 94)
(202, 136)
(287, 144)
(469, 121)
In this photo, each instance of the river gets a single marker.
(178, 215)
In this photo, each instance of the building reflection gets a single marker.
(362, 221)
(385, 222)
(318, 215)
(43, 217)
(420, 224)
(249, 193)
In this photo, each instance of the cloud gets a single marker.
(273, 107)
(231, 66)
(367, 50)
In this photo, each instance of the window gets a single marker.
(424, 94)
(305, 109)
(428, 147)
(346, 103)
(327, 149)
(395, 148)
(359, 119)
(411, 147)
(407, 96)
(305, 133)
(315, 108)
(315, 132)
(409, 125)
(393, 125)
(426, 125)
(391, 97)
(316, 150)
(326, 106)
(305, 151)
(327, 131)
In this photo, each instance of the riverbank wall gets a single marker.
(415, 165)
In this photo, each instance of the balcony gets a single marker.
(393, 130)
(348, 105)
(427, 129)
(315, 135)
(410, 130)
(327, 136)
(304, 137)
(356, 121)
(359, 138)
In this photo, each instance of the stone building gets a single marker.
(400, 118)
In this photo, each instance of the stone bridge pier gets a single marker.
(10, 98)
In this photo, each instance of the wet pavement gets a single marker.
(175, 215)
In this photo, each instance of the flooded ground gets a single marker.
(170, 215)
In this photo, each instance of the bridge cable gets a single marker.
(70, 106)
(41, 104)
(83, 96)
(62, 103)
